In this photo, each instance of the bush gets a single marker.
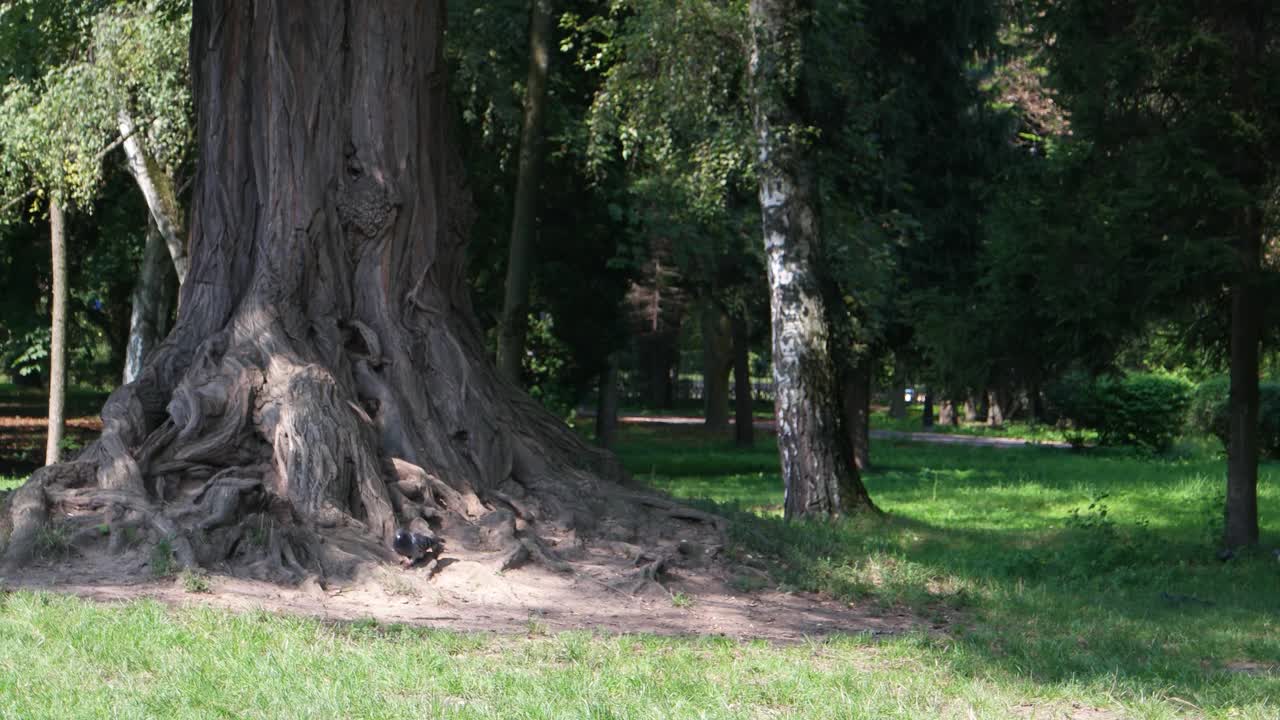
(1142, 409)
(1208, 413)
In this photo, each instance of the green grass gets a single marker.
(1104, 602)
(1038, 611)
(64, 658)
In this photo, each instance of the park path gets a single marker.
(925, 437)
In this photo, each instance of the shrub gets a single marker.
(1208, 413)
(1142, 409)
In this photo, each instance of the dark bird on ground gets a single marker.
(415, 547)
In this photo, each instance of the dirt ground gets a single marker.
(468, 594)
(711, 597)
(23, 425)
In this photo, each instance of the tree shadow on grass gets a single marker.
(1055, 567)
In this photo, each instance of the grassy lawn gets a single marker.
(1046, 614)
(1122, 603)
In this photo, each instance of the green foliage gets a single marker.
(1146, 410)
(52, 543)
(195, 581)
(54, 126)
(1209, 406)
(162, 564)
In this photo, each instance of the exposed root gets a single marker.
(677, 511)
(648, 572)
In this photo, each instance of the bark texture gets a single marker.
(1241, 525)
(855, 393)
(152, 296)
(515, 306)
(743, 402)
(897, 392)
(325, 384)
(717, 361)
(817, 468)
(57, 334)
(607, 405)
(157, 188)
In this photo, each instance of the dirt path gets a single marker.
(470, 595)
(925, 437)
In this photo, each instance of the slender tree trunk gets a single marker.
(1036, 401)
(515, 305)
(656, 353)
(157, 188)
(148, 318)
(717, 361)
(326, 384)
(897, 393)
(947, 413)
(818, 473)
(1241, 526)
(926, 415)
(743, 402)
(607, 405)
(996, 408)
(58, 334)
(855, 391)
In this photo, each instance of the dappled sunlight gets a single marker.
(1063, 568)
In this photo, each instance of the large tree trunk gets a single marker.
(149, 315)
(855, 394)
(1241, 526)
(717, 361)
(743, 402)
(817, 465)
(607, 405)
(57, 334)
(515, 305)
(325, 383)
(157, 189)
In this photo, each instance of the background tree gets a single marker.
(1176, 99)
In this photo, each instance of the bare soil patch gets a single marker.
(468, 593)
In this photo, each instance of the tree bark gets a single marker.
(149, 316)
(743, 402)
(656, 353)
(897, 393)
(947, 413)
(326, 383)
(1241, 525)
(855, 392)
(971, 409)
(515, 305)
(57, 334)
(818, 473)
(717, 361)
(157, 188)
(926, 415)
(607, 405)
(997, 406)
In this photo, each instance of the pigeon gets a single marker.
(415, 547)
